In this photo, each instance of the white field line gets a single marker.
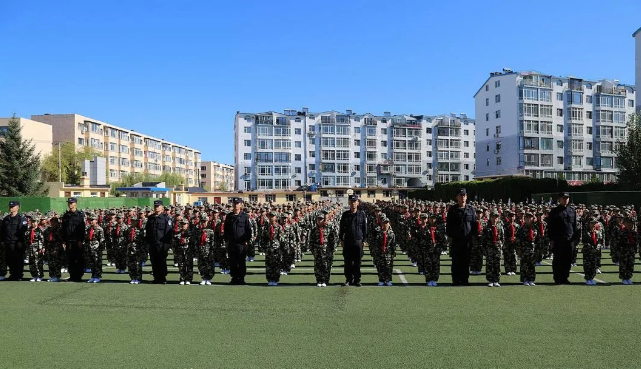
(581, 274)
(401, 276)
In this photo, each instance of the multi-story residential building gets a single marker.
(126, 151)
(546, 126)
(637, 62)
(349, 150)
(40, 134)
(216, 176)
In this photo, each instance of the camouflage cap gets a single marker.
(184, 221)
(273, 214)
(494, 213)
(204, 217)
(422, 216)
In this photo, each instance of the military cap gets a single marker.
(273, 214)
(14, 203)
(461, 191)
(238, 200)
(72, 200)
(158, 203)
(321, 214)
(118, 215)
(529, 214)
(353, 198)
(494, 213)
(184, 221)
(204, 217)
(92, 216)
(423, 216)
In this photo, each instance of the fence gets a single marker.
(44, 204)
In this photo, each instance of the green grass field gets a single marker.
(297, 325)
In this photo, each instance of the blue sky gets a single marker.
(180, 70)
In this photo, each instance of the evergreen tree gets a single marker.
(19, 164)
(629, 156)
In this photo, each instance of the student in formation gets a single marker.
(181, 245)
(136, 251)
(526, 248)
(627, 245)
(273, 238)
(35, 248)
(511, 229)
(592, 243)
(94, 243)
(205, 245)
(53, 250)
(493, 239)
(320, 240)
(384, 247)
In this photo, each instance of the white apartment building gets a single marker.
(637, 62)
(126, 151)
(546, 126)
(216, 176)
(349, 150)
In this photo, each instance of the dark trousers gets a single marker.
(75, 256)
(15, 260)
(158, 256)
(237, 262)
(562, 262)
(461, 261)
(353, 254)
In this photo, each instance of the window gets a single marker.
(357, 142)
(247, 129)
(297, 131)
(466, 155)
(498, 160)
(577, 145)
(589, 161)
(559, 160)
(559, 82)
(546, 160)
(547, 144)
(466, 166)
(619, 132)
(297, 157)
(588, 145)
(607, 162)
(384, 143)
(529, 110)
(298, 144)
(497, 114)
(559, 96)
(312, 154)
(248, 143)
(357, 155)
(487, 87)
(577, 160)
(559, 128)
(466, 132)
(575, 113)
(630, 103)
(529, 143)
(384, 131)
(559, 112)
(487, 132)
(487, 117)
(545, 111)
(487, 162)
(357, 130)
(588, 99)
(342, 130)
(559, 144)
(466, 143)
(546, 128)
(528, 94)
(497, 84)
(428, 131)
(247, 156)
(487, 101)
(577, 129)
(588, 114)
(497, 129)
(247, 170)
(531, 160)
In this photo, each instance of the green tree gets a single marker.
(222, 186)
(19, 164)
(629, 155)
(70, 163)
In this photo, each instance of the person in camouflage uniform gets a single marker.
(182, 246)
(94, 243)
(273, 238)
(511, 229)
(592, 241)
(436, 244)
(108, 223)
(34, 240)
(251, 247)
(542, 241)
(579, 231)
(616, 227)
(220, 249)
(420, 239)
(135, 251)
(205, 246)
(320, 240)
(384, 246)
(119, 239)
(493, 238)
(628, 245)
(476, 253)
(54, 250)
(526, 238)
(287, 253)
(141, 224)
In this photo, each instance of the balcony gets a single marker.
(575, 85)
(537, 81)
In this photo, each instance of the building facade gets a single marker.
(216, 176)
(127, 151)
(546, 127)
(637, 62)
(40, 134)
(334, 149)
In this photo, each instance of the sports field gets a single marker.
(297, 325)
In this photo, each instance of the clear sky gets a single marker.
(180, 70)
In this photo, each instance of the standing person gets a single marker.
(562, 231)
(273, 239)
(628, 243)
(384, 246)
(136, 251)
(238, 235)
(320, 239)
(460, 225)
(183, 249)
(34, 241)
(119, 235)
(158, 233)
(509, 246)
(592, 242)
(493, 237)
(94, 243)
(526, 246)
(53, 250)
(12, 230)
(73, 235)
(205, 250)
(353, 236)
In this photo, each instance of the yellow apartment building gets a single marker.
(40, 134)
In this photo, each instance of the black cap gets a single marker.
(14, 203)
(461, 191)
(237, 200)
(72, 200)
(158, 203)
(564, 194)
(353, 197)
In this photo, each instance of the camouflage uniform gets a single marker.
(273, 238)
(628, 245)
(287, 247)
(135, 251)
(220, 247)
(592, 242)
(493, 238)
(54, 251)
(251, 248)
(542, 242)
(119, 239)
(509, 247)
(615, 230)
(320, 247)
(182, 248)
(205, 246)
(384, 246)
(525, 245)
(476, 253)
(34, 239)
(94, 241)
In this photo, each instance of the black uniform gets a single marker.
(12, 231)
(238, 235)
(562, 230)
(73, 235)
(353, 232)
(460, 226)
(158, 232)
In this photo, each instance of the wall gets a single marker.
(39, 133)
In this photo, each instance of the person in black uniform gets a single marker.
(353, 235)
(562, 231)
(158, 232)
(12, 231)
(238, 235)
(460, 225)
(73, 235)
